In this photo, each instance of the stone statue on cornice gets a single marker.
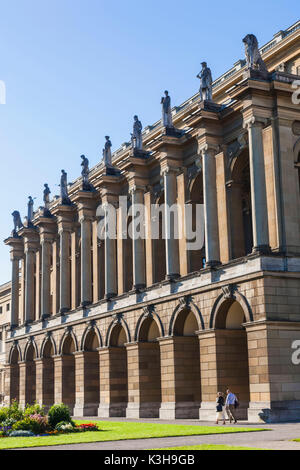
(136, 136)
(46, 199)
(205, 78)
(85, 172)
(17, 222)
(64, 188)
(253, 58)
(30, 210)
(107, 160)
(166, 110)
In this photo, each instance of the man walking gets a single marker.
(230, 405)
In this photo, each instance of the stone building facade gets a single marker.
(147, 328)
(5, 299)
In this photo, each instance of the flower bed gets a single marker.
(33, 421)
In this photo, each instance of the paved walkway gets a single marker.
(277, 438)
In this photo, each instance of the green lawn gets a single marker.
(115, 431)
(208, 447)
(296, 440)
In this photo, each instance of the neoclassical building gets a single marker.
(147, 328)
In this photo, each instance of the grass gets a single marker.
(115, 431)
(209, 447)
(296, 440)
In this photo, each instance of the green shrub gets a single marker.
(65, 426)
(27, 424)
(8, 422)
(14, 411)
(3, 413)
(35, 409)
(57, 414)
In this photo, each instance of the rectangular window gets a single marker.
(1, 309)
(7, 307)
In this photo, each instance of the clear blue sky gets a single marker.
(76, 70)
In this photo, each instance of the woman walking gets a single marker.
(220, 408)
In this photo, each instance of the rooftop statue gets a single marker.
(136, 136)
(253, 58)
(30, 210)
(17, 222)
(46, 199)
(205, 77)
(64, 188)
(166, 110)
(85, 173)
(107, 152)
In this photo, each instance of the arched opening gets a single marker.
(186, 365)
(14, 376)
(118, 371)
(48, 374)
(68, 372)
(159, 243)
(149, 368)
(232, 353)
(91, 374)
(30, 375)
(196, 257)
(239, 189)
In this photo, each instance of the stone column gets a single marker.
(39, 365)
(86, 259)
(143, 383)
(22, 383)
(16, 254)
(45, 288)
(14, 305)
(96, 267)
(172, 252)
(212, 251)
(274, 375)
(258, 185)
(148, 241)
(86, 204)
(65, 215)
(55, 277)
(58, 370)
(180, 377)
(138, 242)
(225, 226)
(29, 284)
(133, 407)
(113, 382)
(74, 270)
(183, 252)
(110, 255)
(79, 383)
(65, 271)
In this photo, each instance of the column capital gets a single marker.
(47, 228)
(134, 188)
(254, 121)
(205, 148)
(167, 169)
(31, 239)
(16, 245)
